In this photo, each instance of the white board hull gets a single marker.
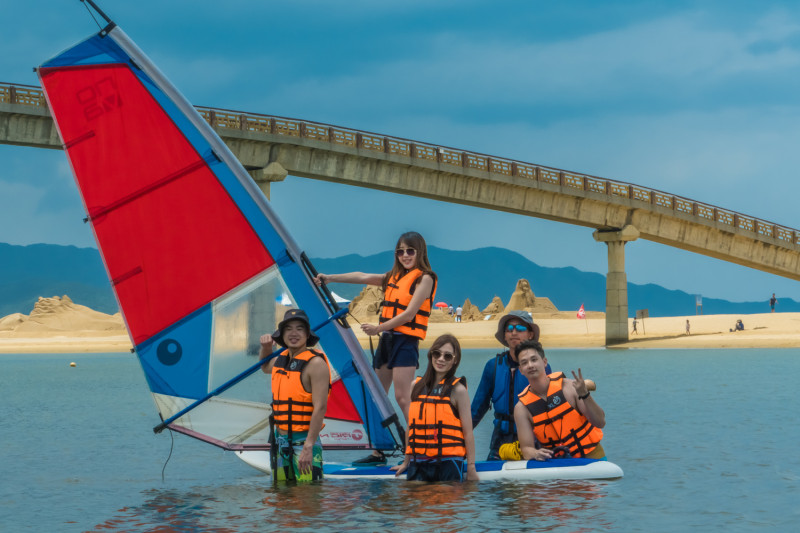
(487, 470)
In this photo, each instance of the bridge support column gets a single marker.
(616, 282)
(269, 174)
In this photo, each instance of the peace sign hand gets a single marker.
(580, 384)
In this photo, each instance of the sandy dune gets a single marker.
(58, 325)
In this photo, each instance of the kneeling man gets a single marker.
(301, 383)
(555, 416)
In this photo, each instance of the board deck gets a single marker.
(487, 470)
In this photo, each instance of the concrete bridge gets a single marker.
(270, 147)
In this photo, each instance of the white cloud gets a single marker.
(683, 103)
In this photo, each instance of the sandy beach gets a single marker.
(768, 330)
(559, 330)
(72, 342)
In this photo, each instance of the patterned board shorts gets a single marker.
(286, 458)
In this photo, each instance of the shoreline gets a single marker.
(65, 342)
(766, 330)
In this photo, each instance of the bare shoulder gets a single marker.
(318, 363)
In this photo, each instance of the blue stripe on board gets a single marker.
(480, 466)
(576, 461)
(342, 470)
(493, 466)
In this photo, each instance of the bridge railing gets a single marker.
(22, 94)
(258, 123)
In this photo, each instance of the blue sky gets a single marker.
(699, 99)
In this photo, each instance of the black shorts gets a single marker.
(444, 470)
(396, 350)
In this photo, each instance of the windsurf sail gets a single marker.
(200, 264)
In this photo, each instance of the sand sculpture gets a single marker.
(496, 307)
(470, 312)
(522, 297)
(61, 314)
(367, 304)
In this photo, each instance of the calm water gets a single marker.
(707, 440)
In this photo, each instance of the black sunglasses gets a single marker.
(436, 354)
(410, 252)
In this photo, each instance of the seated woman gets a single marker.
(439, 439)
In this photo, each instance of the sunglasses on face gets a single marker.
(410, 252)
(516, 327)
(436, 354)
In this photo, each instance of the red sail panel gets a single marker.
(166, 256)
(340, 405)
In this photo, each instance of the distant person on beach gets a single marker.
(634, 327)
(739, 326)
(459, 310)
(502, 381)
(555, 416)
(301, 383)
(409, 289)
(772, 302)
(440, 445)
(687, 326)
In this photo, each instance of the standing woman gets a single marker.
(439, 436)
(409, 289)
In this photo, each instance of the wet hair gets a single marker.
(414, 240)
(428, 381)
(530, 345)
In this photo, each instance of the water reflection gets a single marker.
(552, 505)
(171, 511)
(364, 505)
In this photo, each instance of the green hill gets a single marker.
(27, 272)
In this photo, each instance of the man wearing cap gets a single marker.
(502, 382)
(301, 383)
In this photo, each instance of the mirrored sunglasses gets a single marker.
(436, 354)
(517, 327)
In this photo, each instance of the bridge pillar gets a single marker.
(269, 174)
(616, 282)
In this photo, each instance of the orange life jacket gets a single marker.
(291, 402)
(557, 423)
(398, 294)
(435, 426)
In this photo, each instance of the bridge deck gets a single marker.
(333, 153)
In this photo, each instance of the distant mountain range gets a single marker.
(27, 272)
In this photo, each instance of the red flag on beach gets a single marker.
(581, 312)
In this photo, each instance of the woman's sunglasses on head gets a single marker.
(436, 354)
